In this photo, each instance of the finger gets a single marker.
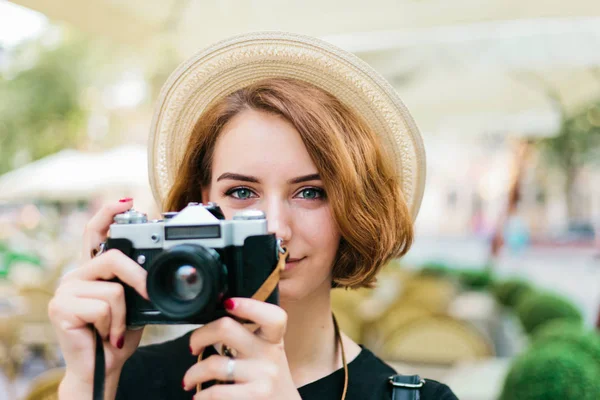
(217, 368)
(227, 331)
(112, 264)
(110, 292)
(97, 228)
(272, 319)
(255, 390)
(76, 314)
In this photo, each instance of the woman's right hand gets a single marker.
(85, 296)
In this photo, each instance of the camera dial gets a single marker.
(131, 217)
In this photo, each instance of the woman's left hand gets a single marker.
(260, 369)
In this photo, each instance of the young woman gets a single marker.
(311, 136)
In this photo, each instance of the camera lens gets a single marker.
(187, 282)
(184, 281)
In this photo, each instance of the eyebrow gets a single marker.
(252, 179)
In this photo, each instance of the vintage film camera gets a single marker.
(195, 259)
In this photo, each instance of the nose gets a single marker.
(279, 219)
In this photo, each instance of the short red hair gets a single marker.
(359, 178)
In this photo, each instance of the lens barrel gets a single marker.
(185, 281)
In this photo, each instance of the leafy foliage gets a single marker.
(570, 333)
(576, 145)
(552, 372)
(537, 308)
(509, 292)
(578, 141)
(40, 100)
(476, 279)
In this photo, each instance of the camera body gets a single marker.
(195, 259)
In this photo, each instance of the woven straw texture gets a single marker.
(239, 61)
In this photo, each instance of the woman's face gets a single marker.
(260, 162)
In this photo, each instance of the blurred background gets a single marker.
(499, 296)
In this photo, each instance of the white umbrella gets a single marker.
(73, 175)
(191, 25)
(461, 67)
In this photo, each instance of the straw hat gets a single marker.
(241, 60)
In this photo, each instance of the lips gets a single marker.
(292, 262)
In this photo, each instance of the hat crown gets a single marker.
(234, 63)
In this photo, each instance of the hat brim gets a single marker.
(239, 61)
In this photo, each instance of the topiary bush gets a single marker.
(509, 292)
(475, 279)
(552, 372)
(538, 308)
(568, 332)
(435, 269)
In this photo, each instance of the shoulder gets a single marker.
(369, 376)
(153, 370)
(372, 378)
(434, 390)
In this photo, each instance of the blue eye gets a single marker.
(311, 193)
(240, 193)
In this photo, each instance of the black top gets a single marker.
(156, 372)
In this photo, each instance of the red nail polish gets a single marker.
(191, 350)
(121, 342)
(229, 304)
(125, 200)
(183, 384)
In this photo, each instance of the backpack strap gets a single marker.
(406, 387)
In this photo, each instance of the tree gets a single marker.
(577, 144)
(40, 100)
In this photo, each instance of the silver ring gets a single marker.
(230, 368)
(98, 250)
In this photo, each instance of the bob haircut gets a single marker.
(362, 188)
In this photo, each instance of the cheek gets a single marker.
(319, 229)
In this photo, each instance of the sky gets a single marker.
(18, 23)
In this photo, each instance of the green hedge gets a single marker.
(473, 278)
(555, 371)
(537, 308)
(570, 333)
(509, 292)
(476, 279)
(435, 269)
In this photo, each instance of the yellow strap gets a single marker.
(262, 294)
(265, 290)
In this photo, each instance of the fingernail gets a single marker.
(191, 350)
(125, 200)
(183, 384)
(229, 304)
(121, 342)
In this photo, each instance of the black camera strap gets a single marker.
(261, 294)
(99, 367)
(406, 387)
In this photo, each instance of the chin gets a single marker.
(290, 290)
(294, 289)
